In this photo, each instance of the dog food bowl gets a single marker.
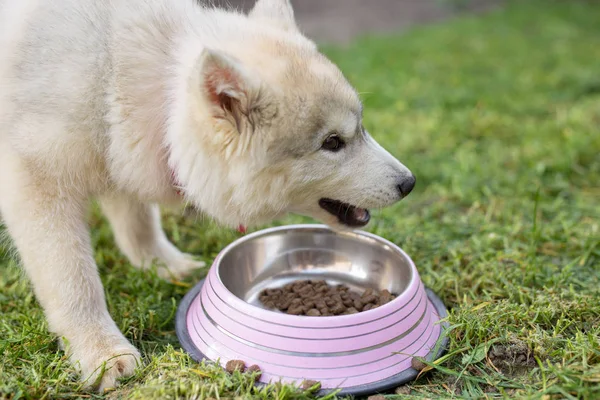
(222, 319)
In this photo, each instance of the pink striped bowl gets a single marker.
(221, 319)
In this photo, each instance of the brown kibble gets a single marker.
(284, 305)
(367, 292)
(296, 310)
(348, 302)
(309, 303)
(355, 296)
(295, 302)
(330, 302)
(402, 390)
(306, 289)
(311, 385)
(417, 363)
(298, 288)
(358, 304)
(351, 310)
(269, 304)
(337, 298)
(319, 288)
(235, 365)
(385, 296)
(255, 369)
(313, 312)
(338, 309)
(370, 299)
(367, 307)
(376, 397)
(309, 295)
(316, 296)
(323, 289)
(320, 304)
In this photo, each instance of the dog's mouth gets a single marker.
(346, 214)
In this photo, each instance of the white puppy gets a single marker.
(139, 102)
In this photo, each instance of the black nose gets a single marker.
(407, 185)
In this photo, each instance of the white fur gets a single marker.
(111, 99)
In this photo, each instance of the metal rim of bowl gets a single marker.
(382, 386)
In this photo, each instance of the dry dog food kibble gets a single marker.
(311, 385)
(235, 365)
(418, 364)
(318, 299)
(255, 369)
(402, 390)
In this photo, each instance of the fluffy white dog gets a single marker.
(139, 102)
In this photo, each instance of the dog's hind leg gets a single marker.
(49, 230)
(138, 232)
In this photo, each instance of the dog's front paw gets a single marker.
(101, 367)
(180, 267)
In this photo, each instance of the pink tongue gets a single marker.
(360, 214)
(242, 229)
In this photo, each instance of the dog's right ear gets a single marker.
(277, 12)
(233, 94)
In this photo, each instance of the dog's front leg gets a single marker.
(49, 230)
(139, 234)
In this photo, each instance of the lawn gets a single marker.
(499, 118)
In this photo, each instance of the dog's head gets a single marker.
(286, 132)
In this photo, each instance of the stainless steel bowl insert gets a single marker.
(278, 256)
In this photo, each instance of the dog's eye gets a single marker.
(333, 143)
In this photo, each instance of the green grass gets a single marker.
(499, 118)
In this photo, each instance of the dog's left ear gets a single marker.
(233, 93)
(278, 12)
